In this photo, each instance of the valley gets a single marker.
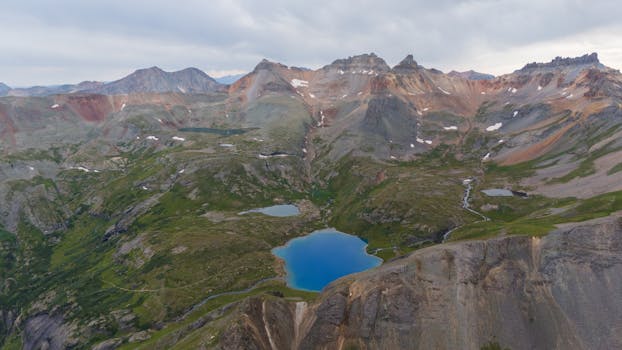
(128, 210)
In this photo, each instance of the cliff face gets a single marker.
(561, 291)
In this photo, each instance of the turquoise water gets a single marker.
(282, 210)
(313, 261)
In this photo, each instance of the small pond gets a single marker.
(498, 192)
(315, 260)
(282, 210)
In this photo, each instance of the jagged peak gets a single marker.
(408, 64)
(368, 61)
(559, 62)
(268, 65)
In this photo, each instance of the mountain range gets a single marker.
(120, 202)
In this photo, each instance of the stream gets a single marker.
(466, 206)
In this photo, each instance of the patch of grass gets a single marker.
(541, 221)
(615, 169)
(493, 345)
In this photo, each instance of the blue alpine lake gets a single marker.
(282, 210)
(313, 261)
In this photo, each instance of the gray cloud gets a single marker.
(73, 40)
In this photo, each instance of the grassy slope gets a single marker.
(175, 256)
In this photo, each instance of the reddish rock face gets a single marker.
(92, 108)
(7, 128)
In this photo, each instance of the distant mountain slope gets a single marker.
(154, 79)
(150, 80)
(4, 89)
(229, 79)
(54, 89)
(471, 75)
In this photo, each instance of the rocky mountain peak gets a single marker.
(268, 65)
(150, 70)
(471, 75)
(368, 62)
(408, 64)
(562, 62)
(192, 70)
(154, 79)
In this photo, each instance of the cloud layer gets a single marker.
(73, 40)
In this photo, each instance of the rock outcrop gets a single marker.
(47, 332)
(557, 62)
(556, 292)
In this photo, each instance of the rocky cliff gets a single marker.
(556, 292)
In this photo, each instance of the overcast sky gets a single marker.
(68, 41)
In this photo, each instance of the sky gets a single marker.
(46, 42)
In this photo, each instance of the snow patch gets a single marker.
(501, 141)
(311, 95)
(444, 91)
(81, 168)
(226, 145)
(54, 106)
(429, 142)
(494, 127)
(341, 72)
(539, 87)
(123, 106)
(31, 168)
(513, 90)
(144, 188)
(181, 171)
(322, 118)
(151, 137)
(419, 140)
(569, 96)
(515, 114)
(483, 92)
(426, 109)
(393, 157)
(177, 138)
(412, 145)
(299, 83)
(486, 157)
(183, 91)
(453, 127)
